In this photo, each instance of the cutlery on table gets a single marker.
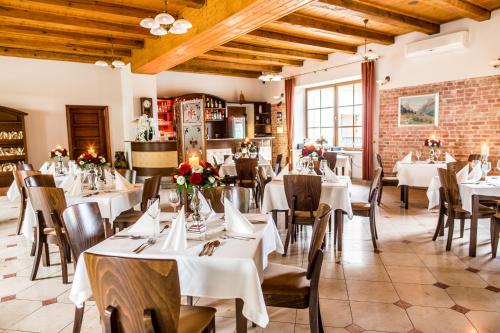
(205, 247)
(215, 244)
(128, 236)
(165, 228)
(143, 246)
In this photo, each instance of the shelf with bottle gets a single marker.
(214, 103)
(215, 114)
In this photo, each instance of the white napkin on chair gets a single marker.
(121, 183)
(407, 158)
(330, 175)
(177, 236)
(283, 172)
(76, 187)
(45, 166)
(448, 158)
(235, 220)
(463, 174)
(149, 223)
(475, 175)
(108, 177)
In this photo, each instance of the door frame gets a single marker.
(104, 108)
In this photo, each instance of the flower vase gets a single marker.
(310, 166)
(60, 166)
(432, 155)
(91, 176)
(198, 225)
(253, 154)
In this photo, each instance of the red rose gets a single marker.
(311, 148)
(195, 179)
(184, 169)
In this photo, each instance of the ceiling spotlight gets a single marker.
(495, 63)
(386, 80)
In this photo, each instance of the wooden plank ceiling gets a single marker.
(229, 37)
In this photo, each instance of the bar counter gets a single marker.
(153, 158)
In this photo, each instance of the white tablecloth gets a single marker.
(336, 195)
(234, 271)
(343, 161)
(229, 169)
(433, 192)
(13, 192)
(418, 174)
(483, 188)
(111, 204)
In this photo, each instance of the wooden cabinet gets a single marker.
(13, 150)
(262, 119)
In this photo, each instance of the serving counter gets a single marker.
(153, 158)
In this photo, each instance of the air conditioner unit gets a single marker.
(436, 45)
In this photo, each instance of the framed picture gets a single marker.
(421, 110)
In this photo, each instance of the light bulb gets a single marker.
(118, 63)
(276, 77)
(177, 31)
(370, 55)
(182, 24)
(149, 23)
(160, 31)
(101, 63)
(164, 18)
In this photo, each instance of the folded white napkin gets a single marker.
(463, 174)
(330, 175)
(235, 220)
(76, 187)
(121, 183)
(108, 177)
(51, 170)
(229, 160)
(177, 236)
(283, 172)
(448, 158)
(407, 158)
(205, 207)
(262, 160)
(149, 223)
(493, 180)
(67, 183)
(45, 166)
(476, 174)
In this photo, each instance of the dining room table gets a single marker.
(228, 168)
(233, 271)
(343, 164)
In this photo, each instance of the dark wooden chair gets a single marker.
(474, 157)
(364, 209)
(246, 174)
(240, 197)
(479, 205)
(277, 164)
(149, 193)
(495, 231)
(84, 229)
(295, 287)
(25, 166)
(453, 207)
(262, 180)
(385, 180)
(331, 158)
(40, 181)
(126, 303)
(129, 175)
(302, 195)
(19, 177)
(47, 202)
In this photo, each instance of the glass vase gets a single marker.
(432, 155)
(195, 205)
(92, 178)
(60, 166)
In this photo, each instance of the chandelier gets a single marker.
(164, 23)
(116, 63)
(368, 55)
(270, 77)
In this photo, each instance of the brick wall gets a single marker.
(469, 115)
(280, 139)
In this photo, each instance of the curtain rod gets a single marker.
(323, 69)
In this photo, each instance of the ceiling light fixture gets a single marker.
(386, 80)
(270, 77)
(165, 23)
(368, 55)
(116, 63)
(495, 63)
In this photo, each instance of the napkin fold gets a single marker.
(262, 160)
(235, 220)
(228, 160)
(283, 172)
(45, 166)
(177, 236)
(475, 175)
(51, 169)
(108, 177)
(149, 223)
(463, 174)
(76, 187)
(205, 207)
(407, 158)
(448, 158)
(67, 183)
(330, 175)
(121, 183)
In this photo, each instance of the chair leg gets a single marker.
(320, 321)
(462, 227)
(189, 300)
(22, 210)
(33, 249)
(38, 257)
(314, 319)
(335, 231)
(372, 230)
(451, 222)
(64, 264)
(379, 197)
(288, 235)
(494, 231)
(46, 254)
(330, 225)
(77, 325)
(439, 226)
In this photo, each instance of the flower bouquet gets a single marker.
(88, 160)
(59, 153)
(248, 147)
(311, 151)
(432, 143)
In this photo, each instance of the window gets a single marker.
(335, 112)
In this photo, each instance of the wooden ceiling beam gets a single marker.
(271, 51)
(22, 16)
(465, 8)
(216, 23)
(61, 47)
(249, 58)
(36, 54)
(189, 3)
(41, 33)
(233, 65)
(299, 41)
(383, 15)
(334, 27)
(215, 71)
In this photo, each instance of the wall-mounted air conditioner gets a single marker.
(436, 45)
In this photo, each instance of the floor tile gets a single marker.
(332, 289)
(475, 298)
(371, 291)
(42, 320)
(438, 320)
(380, 317)
(442, 261)
(424, 295)
(366, 272)
(458, 277)
(44, 289)
(333, 313)
(420, 275)
(401, 259)
(13, 311)
(485, 322)
(14, 285)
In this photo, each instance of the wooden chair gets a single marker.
(331, 158)
(453, 206)
(47, 202)
(246, 173)
(40, 181)
(129, 175)
(302, 195)
(494, 231)
(295, 287)
(25, 167)
(143, 295)
(473, 157)
(19, 177)
(149, 193)
(277, 164)
(365, 209)
(385, 180)
(262, 180)
(84, 229)
(240, 197)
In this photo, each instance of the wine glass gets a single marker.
(438, 153)
(226, 194)
(174, 199)
(323, 166)
(486, 167)
(418, 154)
(299, 165)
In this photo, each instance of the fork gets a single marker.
(143, 246)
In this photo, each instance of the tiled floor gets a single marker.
(411, 285)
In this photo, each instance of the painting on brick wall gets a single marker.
(420, 110)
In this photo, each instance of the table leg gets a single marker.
(405, 195)
(473, 227)
(339, 222)
(275, 216)
(241, 321)
(343, 171)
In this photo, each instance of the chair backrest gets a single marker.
(40, 181)
(84, 227)
(302, 192)
(246, 170)
(261, 178)
(240, 197)
(126, 301)
(25, 166)
(456, 166)
(20, 175)
(216, 164)
(129, 175)
(318, 235)
(449, 183)
(277, 164)
(473, 157)
(379, 160)
(150, 191)
(375, 186)
(331, 158)
(48, 200)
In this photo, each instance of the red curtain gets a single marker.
(289, 91)
(368, 84)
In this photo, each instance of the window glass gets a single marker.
(345, 94)
(313, 99)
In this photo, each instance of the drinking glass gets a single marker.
(226, 194)
(418, 154)
(486, 167)
(174, 199)
(475, 162)
(298, 166)
(438, 153)
(322, 166)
